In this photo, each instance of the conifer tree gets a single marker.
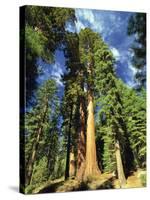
(87, 39)
(134, 107)
(68, 109)
(43, 33)
(110, 110)
(74, 95)
(38, 124)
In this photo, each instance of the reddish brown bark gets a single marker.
(91, 166)
(69, 145)
(81, 144)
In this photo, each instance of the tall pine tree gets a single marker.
(38, 125)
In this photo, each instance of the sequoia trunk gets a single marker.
(81, 144)
(120, 170)
(91, 166)
(68, 146)
(72, 168)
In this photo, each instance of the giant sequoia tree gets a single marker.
(87, 40)
(110, 109)
(74, 96)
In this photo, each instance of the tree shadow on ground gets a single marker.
(86, 186)
(74, 185)
(107, 185)
(51, 188)
(83, 186)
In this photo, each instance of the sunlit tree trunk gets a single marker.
(81, 144)
(120, 170)
(91, 166)
(68, 145)
(72, 167)
(32, 159)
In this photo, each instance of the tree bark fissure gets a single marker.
(91, 166)
(81, 144)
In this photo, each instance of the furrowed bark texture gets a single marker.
(91, 166)
(81, 144)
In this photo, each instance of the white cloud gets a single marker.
(131, 84)
(58, 81)
(85, 15)
(79, 26)
(115, 53)
(57, 73)
(70, 27)
(98, 26)
(132, 68)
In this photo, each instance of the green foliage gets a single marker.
(135, 117)
(109, 159)
(87, 42)
(35, 43)
(60, 165)
(143, 179)
(40, 171)
(44, 33)
(44, 116)
(48, 25)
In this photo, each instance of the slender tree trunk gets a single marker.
(50, 162)
(81, 144)
(68, 146)
(34, 151)
(72, 163)
(120, 170)
(32, 159)
(91, 166)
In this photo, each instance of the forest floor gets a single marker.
(104, 181)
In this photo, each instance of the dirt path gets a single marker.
(133, 181)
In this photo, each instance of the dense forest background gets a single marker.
(87, 128)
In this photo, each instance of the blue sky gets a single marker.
(112, 26)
